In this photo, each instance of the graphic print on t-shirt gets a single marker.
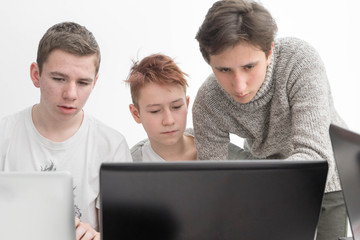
(48, 168)
(52, 167)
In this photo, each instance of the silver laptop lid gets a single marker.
(36, 206)
(346, 147)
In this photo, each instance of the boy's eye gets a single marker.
(248, 67)
(177, 107)
(155, 111)
(224, 70)
(84, 83)
(57, 79)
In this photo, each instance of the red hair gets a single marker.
(157, 68)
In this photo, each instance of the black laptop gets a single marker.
(346, 147)
(212, 200)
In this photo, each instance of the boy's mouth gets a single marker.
(169, 132)
(67, 109)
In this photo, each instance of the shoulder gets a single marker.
(211, 97)
(298, 62)
(136, 150)
(296, 49)
(106, 138)
(101, 129)
(189, 132)
(292, 44)
(209, 85)
(8, 127)
(9, 122)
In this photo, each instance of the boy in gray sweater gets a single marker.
(273, 93)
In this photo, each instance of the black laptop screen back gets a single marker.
(346, 146)
(212, 200)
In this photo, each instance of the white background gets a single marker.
(130, 29)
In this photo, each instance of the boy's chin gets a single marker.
(170, 142)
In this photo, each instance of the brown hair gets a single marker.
(69, 37)
(156, 68)
(229, 22)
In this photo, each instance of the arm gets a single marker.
(312, 112)
(210, 139)
(311, 109)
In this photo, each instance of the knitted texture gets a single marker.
(288, 118)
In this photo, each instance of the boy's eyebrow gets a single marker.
(59, 74)
(152, 105)
(251, 63)
(156, 105)
(177, 100)
(67, 76)
(247, 64)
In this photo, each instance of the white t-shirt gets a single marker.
(148, 153)
(22, 148)
(143, 152)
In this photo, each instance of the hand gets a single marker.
(85, 232)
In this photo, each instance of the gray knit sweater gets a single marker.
(288, 118)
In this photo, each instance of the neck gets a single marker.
(56, 130)
(183, 150)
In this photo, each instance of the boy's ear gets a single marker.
(35, 74)
(268, 58)
(135, 113)
(187, 101)
(95, 80)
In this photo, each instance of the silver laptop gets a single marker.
(212, 200)
(36, 206)
(346, 147)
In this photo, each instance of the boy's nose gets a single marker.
(168, 118)
(239, 84)
(70, 91)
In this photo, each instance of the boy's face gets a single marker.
(65, 83)
(241, 70)
(162, 112)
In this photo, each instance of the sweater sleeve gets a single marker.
(309, 99)
(211, 141)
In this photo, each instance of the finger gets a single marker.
(80, 231)
(77, 221)
(97, 236)
(91, 235)
(88, 236)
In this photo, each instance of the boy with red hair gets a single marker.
(158, 91)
